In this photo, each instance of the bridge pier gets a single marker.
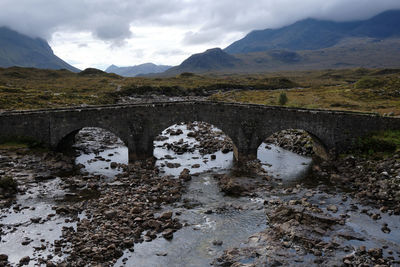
(243, 155)
(140, 147)
(141, 155)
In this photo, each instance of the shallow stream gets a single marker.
(212, 221)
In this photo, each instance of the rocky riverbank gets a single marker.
(344, 212)
(349, 219)
(107, 216)
(297, 141)
(374, 182)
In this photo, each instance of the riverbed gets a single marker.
(213, 222)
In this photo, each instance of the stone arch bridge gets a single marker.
(138, 124)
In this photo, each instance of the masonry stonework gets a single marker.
(138, 124)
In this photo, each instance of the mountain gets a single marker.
(210, 60)
(312, 34)
(133, 71)
(348, 53)
(20, 50)
(308, 44)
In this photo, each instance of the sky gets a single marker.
(98, 33)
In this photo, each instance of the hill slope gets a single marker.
(20, 50)
(312, 34)
(134, 71)
(210, 60)
(348, 53)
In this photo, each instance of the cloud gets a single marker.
(111, 20)
(151, 25)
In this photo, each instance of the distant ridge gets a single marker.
(210, 60)
(308, 44)
(134, 71)
(312, 34)
(23, 51)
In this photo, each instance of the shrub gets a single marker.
(369, 82)
(385, 142)
(187, 74)
(283, 99)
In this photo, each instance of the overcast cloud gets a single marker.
(128, 32)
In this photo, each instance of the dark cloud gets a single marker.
(205, 20)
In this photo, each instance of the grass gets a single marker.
(16, 143)
(367, 90)
(362, 90)
(381, 144)
(28, 88)
(13, 145)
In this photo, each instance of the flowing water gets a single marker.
(212, 221)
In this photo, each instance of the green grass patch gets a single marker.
(20, 142)
(381, 143)
(369, 82)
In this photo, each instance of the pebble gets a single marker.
(332, 208)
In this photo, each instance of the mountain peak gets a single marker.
(210, 60)
(313, 34)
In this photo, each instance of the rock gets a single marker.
(62, 210)
(113, 165)
(185, 175)
(3, 257)
(217, 243)
(154, 224)
(231, 187)
(35, 219)
(80, 166)
(169, 157)
(173, 165)
(25, 260)
(26, 241)
(110, 214)
(161, 254)
(225, 150)
(332, 208)
(213, 157)
(376, 216)
(168, 233)
(375, 252)
(166, 215)
(386, 229)
(191, 134)
(195, 166)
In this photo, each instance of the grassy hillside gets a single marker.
(364, 90)
(28, 88)
(368, 90)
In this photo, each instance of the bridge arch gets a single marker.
(320, 150)
(66, 138)
(197, 146)
(220, 126)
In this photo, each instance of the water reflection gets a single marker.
(282, 163)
